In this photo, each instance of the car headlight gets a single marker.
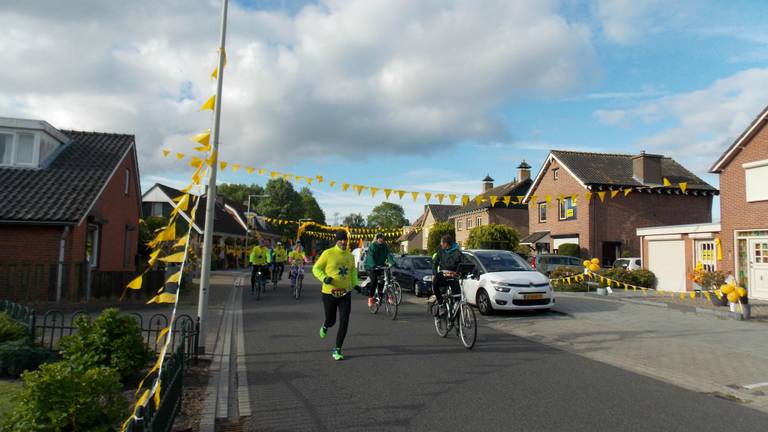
(427, 278)
(502, 289)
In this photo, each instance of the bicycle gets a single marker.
(275, 276)
(259, 284)
(297, 280)
(456, 312)
(387, 296)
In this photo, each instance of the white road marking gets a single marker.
(756, 385)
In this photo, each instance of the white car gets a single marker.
(633, 263)
(504, 281)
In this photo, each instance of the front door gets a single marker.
(611, 251)
(758, 268)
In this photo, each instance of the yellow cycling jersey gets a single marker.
(258, 255)
(338, 264)
(296, 257)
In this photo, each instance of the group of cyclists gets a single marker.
(337, 271)
(269, 262)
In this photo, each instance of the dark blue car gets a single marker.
(414, 273)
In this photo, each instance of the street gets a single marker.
(399, 375)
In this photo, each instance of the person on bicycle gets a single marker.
(296, 259)
(445, 263)
(378, 255)
(336, 269)
(258, 260)
(279, 257)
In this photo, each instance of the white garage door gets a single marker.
(666, 259)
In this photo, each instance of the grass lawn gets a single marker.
(8, 389)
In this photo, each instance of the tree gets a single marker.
(438, 230)
(354, 220)
(387, 215)
(569, 249)
(282, 202)
(493, 236)
(239, 193)
(312, 209)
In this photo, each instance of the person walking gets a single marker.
(336, 270)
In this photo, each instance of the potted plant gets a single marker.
(704, 280)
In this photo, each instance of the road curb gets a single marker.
(720, 314)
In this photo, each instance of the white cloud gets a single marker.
(354, 78)
(705, 121)
(626, 21)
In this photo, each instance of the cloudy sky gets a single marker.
(418, 95)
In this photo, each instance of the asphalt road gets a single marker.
(399, 375)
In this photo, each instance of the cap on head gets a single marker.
(341, 235)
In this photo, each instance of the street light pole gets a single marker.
(205, 275)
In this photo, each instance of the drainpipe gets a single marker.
(60, 269)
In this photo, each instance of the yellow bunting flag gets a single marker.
(601, 194)
(250, 170)
(479, 199)
(494, 200)
(400, 193)
(331, 183)
(162, 333)
(373, 191)
(261, 171)
(235, 167)
(440, 197)
(464, 199)
(153, 258)
(182, 242)
(666, 182)
(683, 186)
(163, 298)
(452, 197)
(174, 258)
(627, 191)
(415, 196)
(174, 277)
(309, 180)
(547, 198)
(344, 186)
(209, 104)
(274, 174)
(203, 138)
(506, 200)
(588, 196)
(427, 196)
(196, 162)
(359, 188)
(574, 198)
(166, 152)
(387, 193)
(614, 193)
(136, 283)
(179, 156)
(223, 165)
(320, 178)
(211, 159)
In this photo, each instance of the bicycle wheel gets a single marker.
(258, 287)
(297, 288)
(390, 303)
(467, 326)
(441, 323)
(398, 293)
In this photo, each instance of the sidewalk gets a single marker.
(727, 358)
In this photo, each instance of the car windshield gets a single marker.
(422, 263)
(502, 261)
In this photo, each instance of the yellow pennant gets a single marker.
(309, 180)
(479, 199)
(261, 171)
(320, 178)
(212, 159)
(136, 283)
(163, 298)
(520, 198)
(601, 194)
(588, 196)
(162, 333)
(153, 257)
(440, 197)
(166, 152)
(373, 191)
(387, 192)
(614, 193)
(174, 277)
(182, 242)
(464, 199)
(506, 200)
(682, 295)
(174, 258)
(209, 104)
(400, 193)
(547, 198)
(196, 162)
(666, 182)
(274, 174)
(452, 198)
(693, 294)
(494, 200)
(706, 294)
(331, 183)
(179, 156)
(223, 165)
(427, 195)
(574, 198)
(683, 186)
(250, 170)
(235, 167)
(344, 186)
(627, 191)
(286, 176)
(415, 196)
(203, 138)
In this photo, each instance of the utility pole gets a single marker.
(210, 208)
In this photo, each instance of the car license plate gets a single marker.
(534, 296)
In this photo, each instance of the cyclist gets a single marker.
(296, 259)
(279, 257)
(446, 261)
(378, 255)
(258, 260)
(336, 269)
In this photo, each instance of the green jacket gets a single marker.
(378, 255)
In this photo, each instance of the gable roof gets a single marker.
(419, 223)
(512, 189)
(441, 212)
(738, 144)
(65, 190)
(615, 170)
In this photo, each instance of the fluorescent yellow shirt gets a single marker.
(297, 257)
(280, 255)
(258, 255)
(340, 265)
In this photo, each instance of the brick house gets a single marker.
(743, 170)
(489, 207)
(416, 239)
(598, 200)
(70, 210)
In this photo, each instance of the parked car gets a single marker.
(547, 263)
(504, 281)
(633, 263)
(414, 273)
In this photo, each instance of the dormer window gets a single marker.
(27, 143)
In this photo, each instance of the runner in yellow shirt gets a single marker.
(336, 269)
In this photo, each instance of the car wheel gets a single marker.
(484, 302)
(416, 288)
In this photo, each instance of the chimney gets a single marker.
(646, 168)
(524, 171)
(487, 183)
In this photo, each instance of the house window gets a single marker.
(459, 223)
(555, 173)
(25, 149)
(542, 212)
(6, 148)
(479, 221)
(157, 209)
(756, 174)
(127, 186)
(469, 223)
(567, 208)
(705, 254)
(127, 247)
(92, 245)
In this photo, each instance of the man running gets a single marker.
(445, 262)
(296, 259)
(378, 255)
(258, 260)
(279, 257)
(336, 269)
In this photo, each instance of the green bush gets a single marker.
(438, 230)
(111, 340)
(58, 397)
(575, 286)
(21, 355)
(569, 249)
(524, 251)
(493, 236)
(640, 277)
(10, 330)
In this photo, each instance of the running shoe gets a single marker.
(323, 332)
(337, 355)
(370, 301)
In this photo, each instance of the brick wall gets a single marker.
(735, 212)
(511, 217)
(32, 244)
